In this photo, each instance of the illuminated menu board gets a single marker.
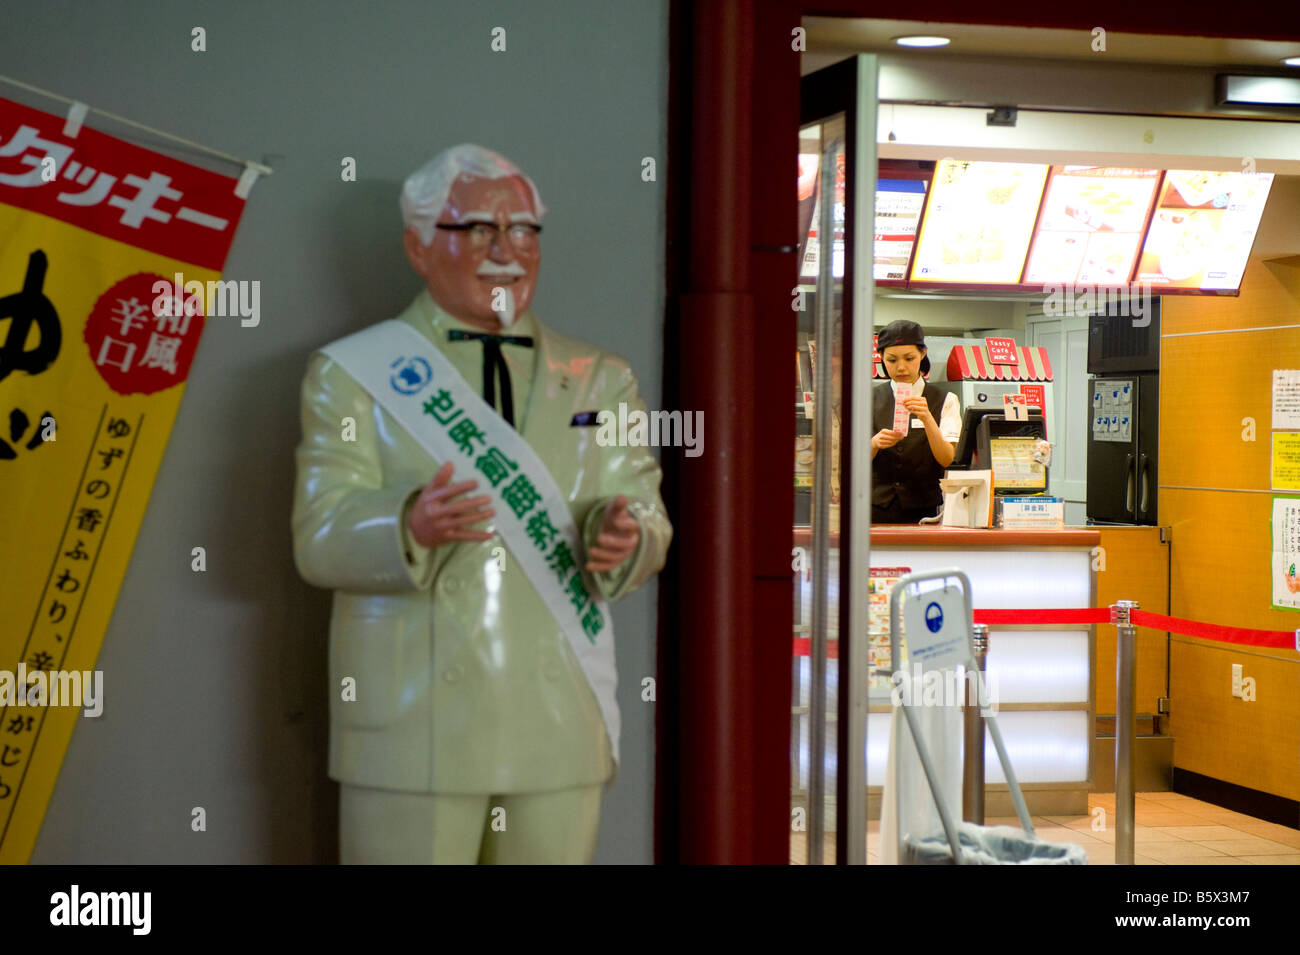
(898, 211)
(1091, 225)
(1202, 230)
(813, 244)
(979, 222)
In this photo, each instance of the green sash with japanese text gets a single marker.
(416, 384)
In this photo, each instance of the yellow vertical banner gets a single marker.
(110, 262)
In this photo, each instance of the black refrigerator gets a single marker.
(1124, 416)
(1123, 438)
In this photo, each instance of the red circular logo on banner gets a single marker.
(141, 337)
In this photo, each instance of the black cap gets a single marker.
(903, 332)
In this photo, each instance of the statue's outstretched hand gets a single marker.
(441, 514)
(617, 540)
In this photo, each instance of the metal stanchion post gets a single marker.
(1125, 726)
(972, 791)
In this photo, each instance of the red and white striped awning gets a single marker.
(971, 363)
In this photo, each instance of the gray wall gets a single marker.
(215, 683)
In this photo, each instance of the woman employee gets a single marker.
(906, 465)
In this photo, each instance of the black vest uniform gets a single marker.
(905, 478)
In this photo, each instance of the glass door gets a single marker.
(837, 162)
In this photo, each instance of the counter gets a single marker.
(1041, 677)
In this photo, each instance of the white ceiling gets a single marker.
(842, 35)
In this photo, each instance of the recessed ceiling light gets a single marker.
(922, 40)
(1291, 61)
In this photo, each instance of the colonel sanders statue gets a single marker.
(453, 495)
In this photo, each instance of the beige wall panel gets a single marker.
(1251, 744)
(1137, 568)
(1219, 562)
(1270, 295)
(1208, 384)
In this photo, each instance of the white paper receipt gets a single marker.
(901, 414)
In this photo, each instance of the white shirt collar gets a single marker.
(443, 320)
(918, 386)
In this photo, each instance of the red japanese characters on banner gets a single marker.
(136, 348)
(1002, 351)
(116, 189)
(1037, 395)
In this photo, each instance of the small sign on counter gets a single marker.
(1015, 407)
(1024, 513)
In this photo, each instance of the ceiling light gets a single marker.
(1251, 90)
(1291, 61)
(922, 40)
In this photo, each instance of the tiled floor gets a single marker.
(1169, 830)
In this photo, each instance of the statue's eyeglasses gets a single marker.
(521, 235)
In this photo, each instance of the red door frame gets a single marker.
(722, 792)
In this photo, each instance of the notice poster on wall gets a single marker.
(1285, 586)
(1286, 461)
(1286, 399)
(1091, 225)
(979, 221)
(1203, 228)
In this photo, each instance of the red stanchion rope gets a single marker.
(1024, 617)
(1277, 639)
(1274, 639)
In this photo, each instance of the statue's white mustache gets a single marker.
(493, 270)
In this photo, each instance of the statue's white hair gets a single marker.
(425, 191)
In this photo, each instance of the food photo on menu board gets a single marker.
(979, 221)
(1203, 228)
(1091, 225)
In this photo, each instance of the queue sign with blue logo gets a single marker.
(937, 631)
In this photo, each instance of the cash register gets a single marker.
(989, 442)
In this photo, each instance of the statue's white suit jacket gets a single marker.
(464, 682)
